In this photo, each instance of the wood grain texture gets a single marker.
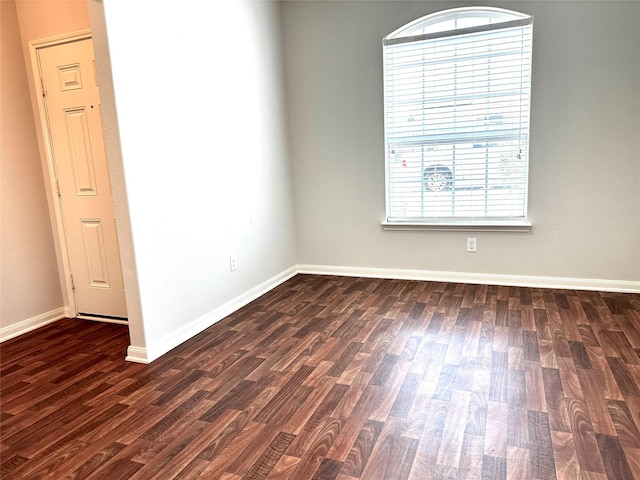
(340, 378)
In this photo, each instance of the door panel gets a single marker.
(72, 102)
(95, 253)
(80, 154)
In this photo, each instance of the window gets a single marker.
(457, 89)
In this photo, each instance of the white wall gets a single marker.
(202, 125)
(584, 198)
(116, 171)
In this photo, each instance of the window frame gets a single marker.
(431, 27)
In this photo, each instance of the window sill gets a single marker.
(493, 226)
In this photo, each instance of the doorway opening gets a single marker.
(71, 122)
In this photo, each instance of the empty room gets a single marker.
(361, 239)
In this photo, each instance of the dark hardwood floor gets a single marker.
(340, 378)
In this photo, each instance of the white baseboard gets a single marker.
(623, 286)
(147, 355)
(137, 355)
(169, 342)
(15, 329)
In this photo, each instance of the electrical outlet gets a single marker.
(472, 244)
(233, 263)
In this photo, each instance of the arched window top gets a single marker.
(457, 21)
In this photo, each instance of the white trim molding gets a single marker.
(490, 226)
(137, 355)
(191, 329)
(169, 342)
(16, 329)
(48, 160)
(603, 285)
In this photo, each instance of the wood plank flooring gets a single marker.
(340, 378)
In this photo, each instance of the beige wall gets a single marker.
(40, 19)
(29, 282)
(43, 19)
(29, 20)
(584, 199)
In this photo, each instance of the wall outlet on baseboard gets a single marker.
(472, 244)
(233, 262)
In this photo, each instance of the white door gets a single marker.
(72, 103)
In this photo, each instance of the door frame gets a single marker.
(49, 165)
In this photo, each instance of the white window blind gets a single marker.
(457, 95)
